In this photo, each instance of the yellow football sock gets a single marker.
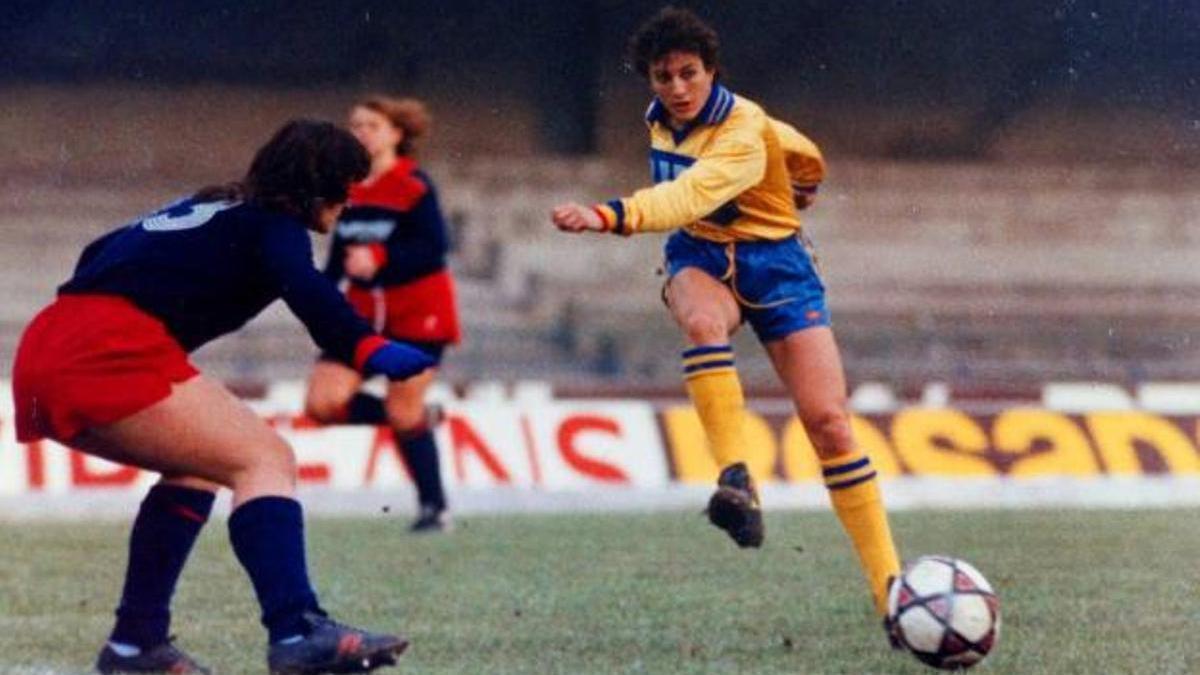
(713, 385)
(854, 491)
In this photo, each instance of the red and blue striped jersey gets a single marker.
(399, 217)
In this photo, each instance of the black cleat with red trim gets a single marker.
(331, 647)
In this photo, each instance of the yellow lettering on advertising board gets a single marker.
(940, 441)
(689, 447)
(948, 442)
(1016, 431)
(761, 448)
(871, 439)
(1116, 434)
(800, 459)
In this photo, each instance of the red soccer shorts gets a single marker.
(422, 310)
(91, 360)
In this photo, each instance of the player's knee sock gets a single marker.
(854, 491)
(713, 385)
(365, 409)
(421, 455)
(267, 534)
(168, 522)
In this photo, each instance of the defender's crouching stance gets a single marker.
(105, 369)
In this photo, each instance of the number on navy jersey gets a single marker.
(184, 215)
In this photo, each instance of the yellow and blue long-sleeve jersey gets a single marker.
(724, 177)
(805, 164)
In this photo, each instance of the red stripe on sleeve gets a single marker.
(366, 347)
(604, 218)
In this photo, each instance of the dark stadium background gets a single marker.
(992, 58)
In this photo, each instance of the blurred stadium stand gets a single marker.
(969, 274)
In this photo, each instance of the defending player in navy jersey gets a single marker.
(390, 248)
(105, 369)
(728, 183)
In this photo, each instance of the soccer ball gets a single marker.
(944, 612)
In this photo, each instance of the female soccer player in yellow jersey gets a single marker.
(729, 179)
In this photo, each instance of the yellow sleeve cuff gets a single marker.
(613, 214)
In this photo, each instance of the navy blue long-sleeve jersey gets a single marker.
(206, 268)
(398, 215)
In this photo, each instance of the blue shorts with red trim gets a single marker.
(91, 360)
(775, 282)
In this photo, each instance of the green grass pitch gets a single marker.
(1081, 592)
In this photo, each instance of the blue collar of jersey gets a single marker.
(716, 109)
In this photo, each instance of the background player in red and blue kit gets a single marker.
(105, 369)
(390, 245)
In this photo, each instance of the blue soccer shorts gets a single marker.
(775, 282)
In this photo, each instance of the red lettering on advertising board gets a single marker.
(291, 421)
(84, 476)
(313, 473)
(310, 472)
(535, 467)
(301, 422)
(570, 429)
(35, 465)
(464, 439)
(384, 445)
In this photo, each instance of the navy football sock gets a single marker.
(366, 409)
(168, 522)
(421, 455)
(268, 537)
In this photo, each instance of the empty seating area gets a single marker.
(968, 274)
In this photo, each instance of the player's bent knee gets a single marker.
(407, 424)
(325, 409)
(704, 327)
(269, 462)
(406, 417)
(830, 434)
(280, 458)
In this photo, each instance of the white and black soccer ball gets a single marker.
(945, 612)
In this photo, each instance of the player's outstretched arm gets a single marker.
(333, 324)
(573, 217)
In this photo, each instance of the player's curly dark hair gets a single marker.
(672, 29)
(305, 165)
